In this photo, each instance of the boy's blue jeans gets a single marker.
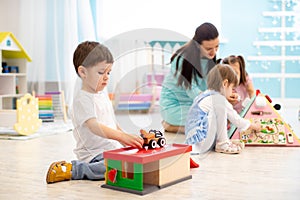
(94, 170)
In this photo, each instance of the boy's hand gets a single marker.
(107, 132)
(132, 140)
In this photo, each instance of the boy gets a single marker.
(95, 128)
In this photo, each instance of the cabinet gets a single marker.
(13, 70)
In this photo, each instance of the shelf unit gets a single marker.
(283, 43)
(13, 85)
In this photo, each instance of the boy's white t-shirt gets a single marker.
(86, 106)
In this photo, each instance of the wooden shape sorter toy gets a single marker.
(141, 171)
(272, 133)
(274, 130)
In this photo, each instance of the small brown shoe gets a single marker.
(59, 171)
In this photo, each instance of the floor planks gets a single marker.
(256, 173)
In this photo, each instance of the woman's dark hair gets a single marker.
(191, 55)
(238, 59)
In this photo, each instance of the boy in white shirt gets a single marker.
(95, 127)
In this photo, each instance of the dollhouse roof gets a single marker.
(11, 47)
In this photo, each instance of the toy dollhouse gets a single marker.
(141, 171)
(13, 77)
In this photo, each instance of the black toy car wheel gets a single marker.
(161, 142)
(152, 144)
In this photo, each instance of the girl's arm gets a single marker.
(241, 123)
(110, 133)
(236, 119)
(255, 126)
(250, 88)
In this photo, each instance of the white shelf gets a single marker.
(272, 58)
(9, 48)
(274, 75)
(278, 30)
(279, 13)
(11, 95)
(13, 74)
(277, 43)
(282, 16)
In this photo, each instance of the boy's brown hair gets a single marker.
(218, 74)
(89, 53)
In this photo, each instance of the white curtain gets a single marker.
(51, 30)
(127, 28)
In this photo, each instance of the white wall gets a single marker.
(9, 16)
(119, 16)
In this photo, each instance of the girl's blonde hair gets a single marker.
(218, 74)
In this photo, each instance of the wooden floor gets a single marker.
(256, 173)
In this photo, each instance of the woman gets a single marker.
(187, 78)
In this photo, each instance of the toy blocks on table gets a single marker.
(142, 171)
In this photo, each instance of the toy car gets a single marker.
(153, 138)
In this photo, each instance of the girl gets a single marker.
(206, 124)
(245, 88)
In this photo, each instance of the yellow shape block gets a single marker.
(28, 120)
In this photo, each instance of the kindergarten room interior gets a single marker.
(37, 41)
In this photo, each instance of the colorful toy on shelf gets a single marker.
(28, 121)
(46, 113)
(274, 130)
(130, 102)
(141, 171)
(153, 139)
(52, 106)
(59, 105)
